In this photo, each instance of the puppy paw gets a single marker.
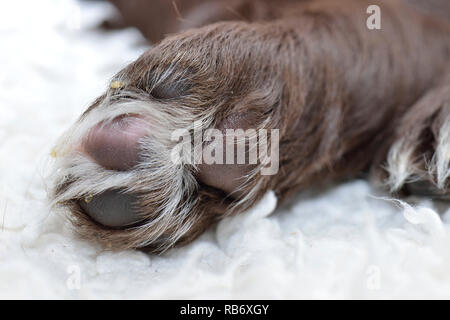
(418, 161)
(116, 175)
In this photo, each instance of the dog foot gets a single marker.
(418, 161)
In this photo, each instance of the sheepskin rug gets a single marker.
(348, 241)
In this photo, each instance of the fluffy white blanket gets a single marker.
(344, 242)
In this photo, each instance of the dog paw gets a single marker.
(418, 161)
(116, 174)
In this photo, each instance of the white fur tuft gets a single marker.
(400, 165)
(441, 159)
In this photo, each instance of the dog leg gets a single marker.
(331, 87)
(158, 18)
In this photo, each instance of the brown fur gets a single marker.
(340, 94)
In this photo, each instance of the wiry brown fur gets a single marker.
(340, 94)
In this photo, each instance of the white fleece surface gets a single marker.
(344, 242)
